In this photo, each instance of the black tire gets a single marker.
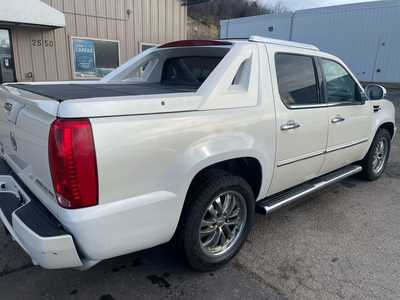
(369, 172)
(211, 185)
(6, 230)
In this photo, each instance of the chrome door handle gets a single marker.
(290, 125)
(337, 119)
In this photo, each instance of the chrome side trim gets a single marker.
(317, 153)
(347, 145)
(316, 187)
(322, 105)
(299, 158)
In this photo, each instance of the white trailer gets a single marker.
(366, 35)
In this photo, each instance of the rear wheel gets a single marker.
(375, 161)
(217, 220)
(6, 230)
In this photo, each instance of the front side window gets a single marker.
(296, 79)
(339, 85)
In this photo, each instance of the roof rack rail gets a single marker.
(260, 39)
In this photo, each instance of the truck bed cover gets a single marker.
(62, 92)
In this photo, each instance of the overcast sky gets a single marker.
(301, 4)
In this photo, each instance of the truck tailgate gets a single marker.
(27, 112)
(25, 120)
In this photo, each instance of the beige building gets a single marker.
(81, 39)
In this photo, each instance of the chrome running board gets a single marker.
(275, 202)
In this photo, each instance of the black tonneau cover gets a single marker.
(62, 92)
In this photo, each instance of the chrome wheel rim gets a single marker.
(379, 156)
(222, 223)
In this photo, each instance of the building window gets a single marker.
(93, 58)
(146, 46)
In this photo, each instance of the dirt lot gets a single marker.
(340, 243)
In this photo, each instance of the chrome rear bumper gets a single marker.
(35, 229)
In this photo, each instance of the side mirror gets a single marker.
(375, 92)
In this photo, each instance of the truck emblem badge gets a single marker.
(8, 106)
(13, 141)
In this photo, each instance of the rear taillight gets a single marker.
(73, 165)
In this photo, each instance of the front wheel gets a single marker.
(375, 161)
(217, 220)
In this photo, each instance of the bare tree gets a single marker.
(279, 8)
(215, 10)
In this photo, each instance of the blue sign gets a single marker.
(85, 60)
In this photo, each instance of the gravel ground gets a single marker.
(341, 243)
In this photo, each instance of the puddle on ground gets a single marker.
(107, 297)
(160, 280)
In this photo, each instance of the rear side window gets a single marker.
(296, 79)
(188, 70)
(339, 85)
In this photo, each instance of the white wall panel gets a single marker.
(365, 35)
(258, 25)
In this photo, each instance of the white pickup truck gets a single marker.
(186, 141)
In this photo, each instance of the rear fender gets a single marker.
(213, 150)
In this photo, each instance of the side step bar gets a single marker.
(275, 202)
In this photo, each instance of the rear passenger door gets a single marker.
(349, 116)
(302, 120)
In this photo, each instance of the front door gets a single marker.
(7, 73)
(349, 116)
(302, 125)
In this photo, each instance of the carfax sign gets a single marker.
(85, 60)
